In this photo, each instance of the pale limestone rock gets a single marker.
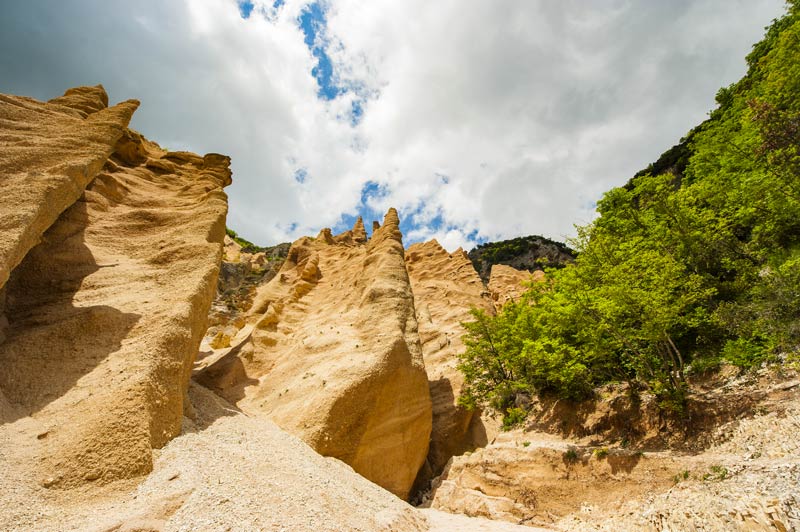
(335, 358)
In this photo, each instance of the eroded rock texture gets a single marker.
(105, 315)
(50, 152)
(446, 287)
(333, 355)
(731, 465)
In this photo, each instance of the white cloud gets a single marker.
(490, 118)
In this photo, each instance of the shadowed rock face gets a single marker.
(334, 355)
(445, 287)
(50, 152)
(105, 315)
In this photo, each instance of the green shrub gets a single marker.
(744, 352)
(716, 473)
(684, 475)
(571, 455)
(600, 453)
(513, 418)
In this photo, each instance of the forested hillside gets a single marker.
(694, 261)
(524, 253)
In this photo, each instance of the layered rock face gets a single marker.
(537, 479)
(446, 287)
(105, 315)
(333, 355)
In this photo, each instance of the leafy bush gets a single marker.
(247, 246)
(513, 418)
(571, 455)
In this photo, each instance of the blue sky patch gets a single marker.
(245, 8)
(357, 111)
(312, 21)
(300, 175)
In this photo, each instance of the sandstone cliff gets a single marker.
(105, 315)
(445, 287)
(334, 355)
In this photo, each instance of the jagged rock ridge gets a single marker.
(332, 355)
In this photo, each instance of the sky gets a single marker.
(477, 120)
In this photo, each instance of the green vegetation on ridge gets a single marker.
(695, 260)
(524, 253)
(247, 246)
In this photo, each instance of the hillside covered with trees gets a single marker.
(524, 253)
(695, 261)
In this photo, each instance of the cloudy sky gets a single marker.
(478, 120)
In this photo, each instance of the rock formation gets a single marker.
(334, 355)
(50, 153)
(535, 479)
(445, 287)
(241, 273)
(506, 283)
(105, 315)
